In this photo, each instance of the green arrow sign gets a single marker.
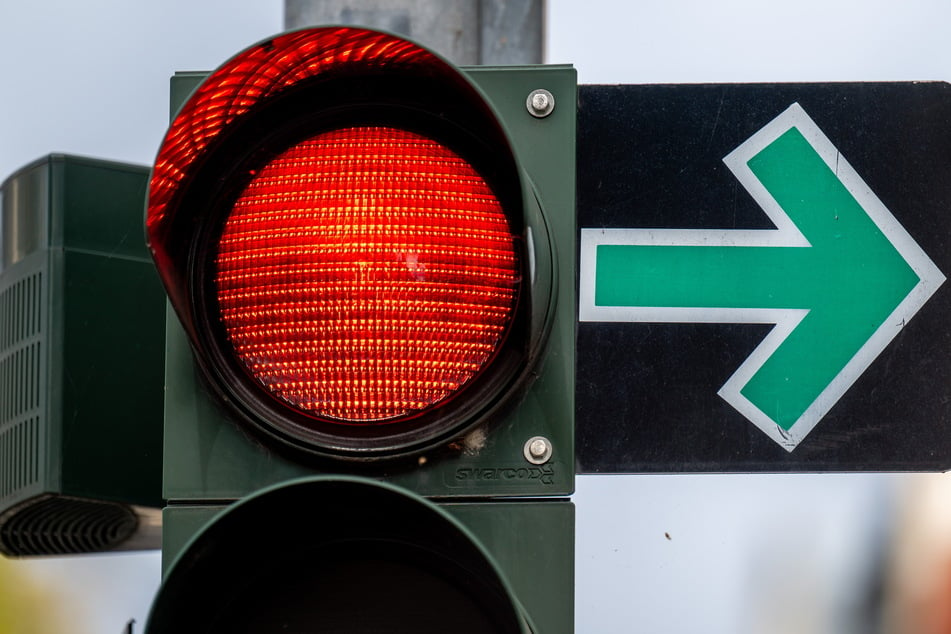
(839, 277)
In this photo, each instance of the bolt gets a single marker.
(540, 103)
(537, 450)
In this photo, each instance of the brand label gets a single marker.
(545, 474)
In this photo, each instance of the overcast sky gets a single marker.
(91, 78)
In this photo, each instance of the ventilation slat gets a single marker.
(21, 375)
(56, 525)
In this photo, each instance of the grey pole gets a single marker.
(473, 32)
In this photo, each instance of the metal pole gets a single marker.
(473, 32)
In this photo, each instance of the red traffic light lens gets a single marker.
(340, 222)
(366, 274)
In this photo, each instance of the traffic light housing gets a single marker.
(370, 258)
(81, 355)
(347, 554)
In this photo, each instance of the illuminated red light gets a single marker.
(366, 274)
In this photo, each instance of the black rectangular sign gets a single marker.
(762, 277)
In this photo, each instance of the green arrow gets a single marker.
(839, 277)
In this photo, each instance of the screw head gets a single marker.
(540, 103)
(537, 450)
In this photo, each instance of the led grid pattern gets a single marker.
(366, 274)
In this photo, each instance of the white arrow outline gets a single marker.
(786, 235)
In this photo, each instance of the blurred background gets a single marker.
(760, 554)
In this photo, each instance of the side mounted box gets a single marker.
(81, 359)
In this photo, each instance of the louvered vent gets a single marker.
(21, 375)
(57, 525)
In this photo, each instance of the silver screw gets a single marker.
(537, 450)
(540, 103)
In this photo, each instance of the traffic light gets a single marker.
(81, 352)
(369, 257)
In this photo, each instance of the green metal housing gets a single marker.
(209, 457)
(81, 356)
(530, 541)
(517, 511)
